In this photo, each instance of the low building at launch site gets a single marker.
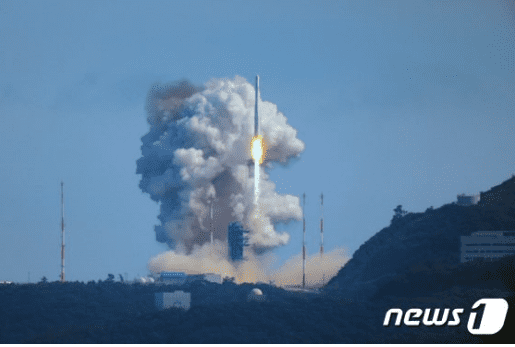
(468, 200)
(488, 245)
(180, 278)
(177, 299)
(237, 240)
(176, 278)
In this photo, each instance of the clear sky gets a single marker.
(398, 102)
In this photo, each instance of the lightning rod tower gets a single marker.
(322, 225)
(62, 232)
(322, 232)
(303, 242)
(211, 219)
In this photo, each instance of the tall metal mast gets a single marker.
(211, 215)
(303, 242)
(322, 232)
(322, 225)
(62, 232)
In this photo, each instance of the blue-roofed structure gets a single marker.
(173, 277)
(237, 240)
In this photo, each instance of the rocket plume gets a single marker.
(257, 148)
(198, 149)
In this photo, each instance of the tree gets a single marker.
(229, 280)
(399, 212)
(121, 278)
(44, 279)
(110, 278)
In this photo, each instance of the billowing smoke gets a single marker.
(197, 152)
(319, 269)
(213, 259)
(196, 156)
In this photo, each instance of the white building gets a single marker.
(145, 280)
(178, 299)
(487, 244)
(215, 278)
(468, 200)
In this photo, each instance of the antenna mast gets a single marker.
(303, 242)
(322, 225)
(211, 215)
(62, 232)
(322, 232)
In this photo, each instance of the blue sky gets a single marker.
(398, 102)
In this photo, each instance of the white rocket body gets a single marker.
(256, 115)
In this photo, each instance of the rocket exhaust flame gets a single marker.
(257, 149)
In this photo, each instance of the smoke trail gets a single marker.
(198, 150)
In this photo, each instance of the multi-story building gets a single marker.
(487, 244)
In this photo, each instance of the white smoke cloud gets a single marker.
(198, 150)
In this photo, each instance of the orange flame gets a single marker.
(258, 149)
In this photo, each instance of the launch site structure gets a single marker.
(322, 232)
(303, 242)
(321, 225)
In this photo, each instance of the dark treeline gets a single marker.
(123, 313)
(413, 263)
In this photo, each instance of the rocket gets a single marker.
(256, 115)
(257, 145)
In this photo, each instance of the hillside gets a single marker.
(418, 239)
(414, 262)
(119, 313)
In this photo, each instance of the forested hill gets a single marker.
(421, 239)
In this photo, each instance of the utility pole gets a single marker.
(322, 232)
(211, 219)
(303, 242)
(62, 233)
